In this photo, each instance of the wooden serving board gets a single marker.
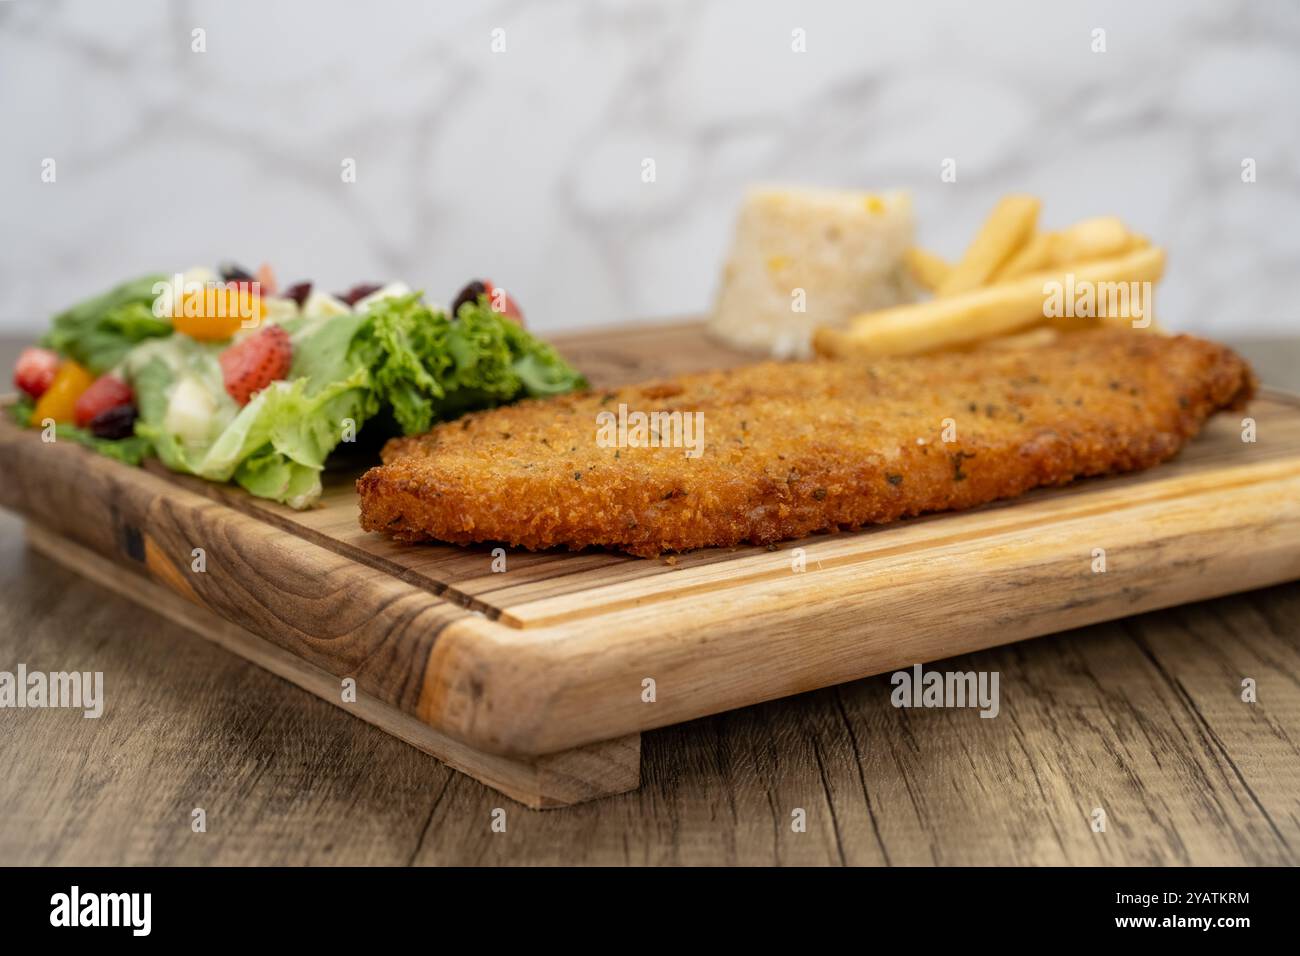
(533, 679)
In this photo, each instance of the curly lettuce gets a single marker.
(427, 367)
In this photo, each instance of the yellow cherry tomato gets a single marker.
(58, 400)
(217, 312)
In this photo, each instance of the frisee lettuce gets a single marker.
(427, 367)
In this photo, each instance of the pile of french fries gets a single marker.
(994, 296)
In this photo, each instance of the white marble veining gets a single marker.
(525, 165)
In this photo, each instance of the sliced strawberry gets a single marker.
(35, 370)
(501, 302)
(251, 365)
(105, 392)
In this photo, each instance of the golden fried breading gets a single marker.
(795, 448)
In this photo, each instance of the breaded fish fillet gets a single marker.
(794, 448)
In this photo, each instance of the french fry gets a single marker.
(1127, 321)
(1034, 256)
(1097, 238)
(1044, 335)
(928, 269)
(974, 316)
(1135, 314)
(1007, 228)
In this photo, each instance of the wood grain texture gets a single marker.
(1142, 716)
(554, 780)
(349, 619)
(1143, 713)
(552, 654)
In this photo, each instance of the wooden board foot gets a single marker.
(553, 780)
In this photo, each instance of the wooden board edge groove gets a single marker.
(261, 512)
(537, 692)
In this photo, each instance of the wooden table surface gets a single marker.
(1142, 718)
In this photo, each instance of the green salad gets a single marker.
(263, 394)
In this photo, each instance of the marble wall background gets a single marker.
(525, 165)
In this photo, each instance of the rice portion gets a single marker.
(807, 257)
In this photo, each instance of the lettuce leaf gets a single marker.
(277, 446)
(153, 370)
(322, 346)
(100, 331)
(22, 409)
(130, 450)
